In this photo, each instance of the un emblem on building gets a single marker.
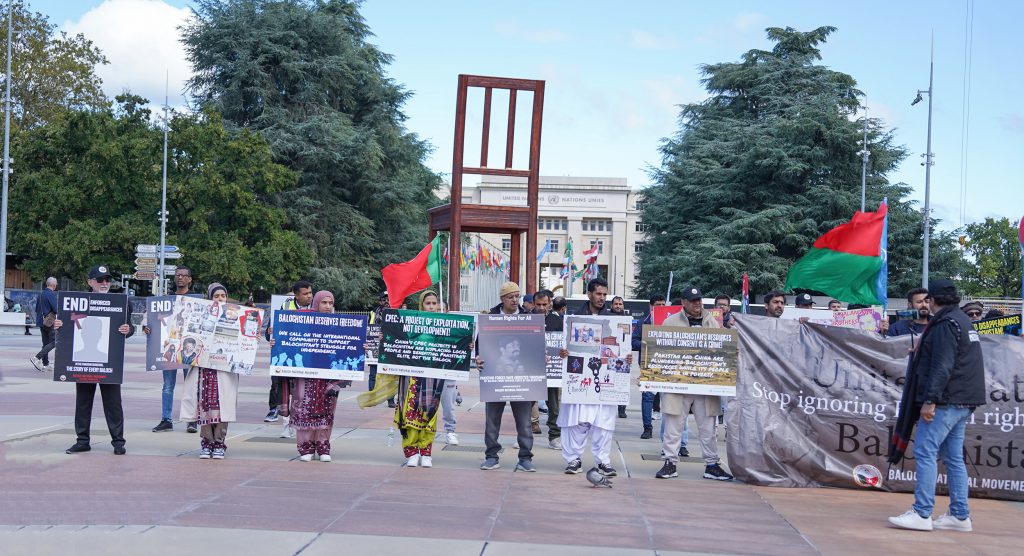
(552, 199)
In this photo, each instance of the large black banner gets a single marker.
(815, 406)
(89, 348)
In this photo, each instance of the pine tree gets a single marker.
(303, 75)
(763, 167)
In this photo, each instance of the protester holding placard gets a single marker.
(647, 399)
(419, 399)
(211, 396)
(542, 304)
(85, 392)
(310, 403)
(509, 305)
(675, 408)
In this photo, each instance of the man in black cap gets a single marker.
(947, 380)
(99, 282)
(675, 408)
(804, 301)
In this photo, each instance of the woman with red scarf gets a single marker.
(311, 402)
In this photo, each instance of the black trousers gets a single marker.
(275, 391)
(492, 427)
(47, 336)
(111, 394)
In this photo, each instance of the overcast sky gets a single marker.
(615, 74)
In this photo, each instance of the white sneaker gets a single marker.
(48, 368)
(306, 457)
(656, 416)
(426, 461)
(910, 520)
(38, 364)
(555, 444)
(951, 523)
(413, 461)
(451, 438)
(326, 458)
(287, 431)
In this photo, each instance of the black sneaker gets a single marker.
(667, 471)
(119, 451)
(192, 427)
(272, 416)
(574, 467)
(391, 404)
(78, 448)
(683, 452)
(606, 470)
(716, 473)
(622, 413)
(648, 433)
(163, 426)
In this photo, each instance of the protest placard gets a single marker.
(660, 313)
(512, 348)
(431, 345)
(596, 370)
(688, 360)
(89, 348)
(1008, 324)
(224, 336)
(318, 345)
(162, 351)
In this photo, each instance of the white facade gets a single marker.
(584, 209)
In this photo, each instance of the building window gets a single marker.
(640, 205)
(641, 227)
(552, 224)
(506, 244)
(599, 243)
(464, 293)
(597, 225)
(554, 245)
(638, 247)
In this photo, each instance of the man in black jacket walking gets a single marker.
(950, 384)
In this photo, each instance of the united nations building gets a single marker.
(591, 212)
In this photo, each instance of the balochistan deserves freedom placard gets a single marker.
(318, 345)
(89, 348)
(596, 370)
(431, 345)
(215, 335)
(688, 360)
(515, 365)
(162, 352)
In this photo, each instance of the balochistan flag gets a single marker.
(846, 262)
(423, 271)
(746, 295)
(544, 251)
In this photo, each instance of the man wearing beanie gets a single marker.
(944, 385)
(509, 305)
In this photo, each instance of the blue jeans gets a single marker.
(167, 393)
(943, 437)
(646, 407)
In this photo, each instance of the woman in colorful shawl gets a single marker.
(211, 396)
(311, 403)
(418, 401)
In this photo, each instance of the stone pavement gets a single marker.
(161, 498)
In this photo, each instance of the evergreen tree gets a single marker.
(763, 167)
(302, 74)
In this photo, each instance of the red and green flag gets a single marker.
(423, 271)
(849, 262)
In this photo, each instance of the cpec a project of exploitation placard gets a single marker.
(431, 345)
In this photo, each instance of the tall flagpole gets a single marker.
(7, 151)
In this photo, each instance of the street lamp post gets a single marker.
(864, 164)
(928, 162)
(7, 153)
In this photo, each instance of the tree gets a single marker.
(302, 75)
(763, 167)
(52, 71)
(89, 191)
(995, 250)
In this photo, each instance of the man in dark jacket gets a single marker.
(509, 295)
(47, 304)
(647, 398)
(950, 384)
(85, 393)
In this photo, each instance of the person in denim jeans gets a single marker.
(947, 376)
(182, 286)
(646, 398)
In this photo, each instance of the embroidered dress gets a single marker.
(416, 414)
(209, 399)
(312, 404)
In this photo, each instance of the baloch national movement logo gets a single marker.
(867, 476)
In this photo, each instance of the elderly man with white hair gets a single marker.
(46, 311)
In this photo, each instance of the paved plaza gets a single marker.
(161, 499)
